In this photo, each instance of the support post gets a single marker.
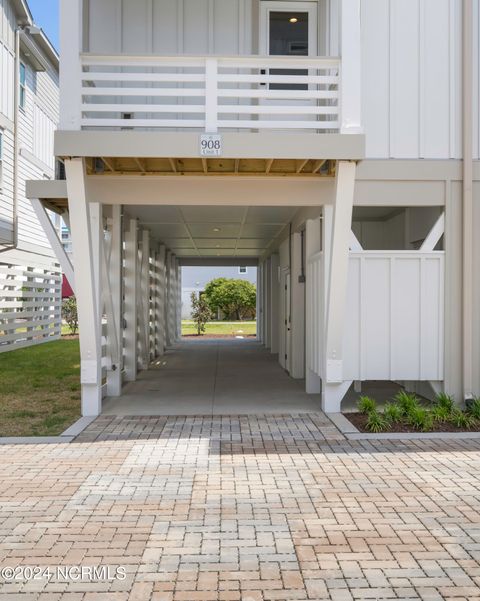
(145, 300)
(160, 317)
(178, 304)
(274, 303)
(268, 303)
(130, 310)
(84, 221)
(297, 311)
(336, 256)
(312, 335)
(114, 266)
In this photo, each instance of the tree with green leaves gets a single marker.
(201, 312)
(236, 299)
(70, 313)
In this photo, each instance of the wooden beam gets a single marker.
(109, 164)
(268, 166)
(301, 165)
(205, 166)
(318, 165)
(140, 164)
(172, 164)
(237, 165)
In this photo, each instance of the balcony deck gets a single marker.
(212, 94)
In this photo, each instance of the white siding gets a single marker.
(411, 78)
(37, 123)
(170, 26)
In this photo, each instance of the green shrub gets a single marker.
(420, 418)
(408, 402)
(440, 413)
(461, 419)
(366, 405)
(474, 409)
(392, 412)
(445, 401)
(376, 422)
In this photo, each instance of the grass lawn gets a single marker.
(229, 328)
(40, 389)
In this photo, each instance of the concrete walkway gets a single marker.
(214, 377)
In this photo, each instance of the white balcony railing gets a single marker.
(210, 93)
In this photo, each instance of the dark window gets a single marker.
(288, 37)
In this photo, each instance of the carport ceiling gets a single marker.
(220, 231)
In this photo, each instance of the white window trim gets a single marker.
(23, 86)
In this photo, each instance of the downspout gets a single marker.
(16, 83)
(467, 199)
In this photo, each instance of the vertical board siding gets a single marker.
(411, 78)
(170, 26)
(394, 320)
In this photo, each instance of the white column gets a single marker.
(130, 308)
(258, 306)
(145, 301)
(312, 247)
(267, 304)
(179, 300)
(160, 340)
(71, 42)
(350, 73)
(86, 255)
(274, 303)
(297, 311)
(114, 373)
(336, 254)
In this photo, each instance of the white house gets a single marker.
(195, 278)
(333, 143)
(30, 278)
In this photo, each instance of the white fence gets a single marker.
(394, 321)
(30, 305)
(210, 93)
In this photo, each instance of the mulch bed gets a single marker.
(359, 420)
(208, 336)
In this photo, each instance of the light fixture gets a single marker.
(293, 20)
(217, 245)
(216, 229)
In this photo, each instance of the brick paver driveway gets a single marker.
(242, 508)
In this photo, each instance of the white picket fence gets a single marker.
(30, 305)
(210, 93)
(394, 319)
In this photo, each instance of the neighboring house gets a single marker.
(331, 143)
(30, 279)
(194, 279)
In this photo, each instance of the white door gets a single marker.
(288, 324)
(288, 29)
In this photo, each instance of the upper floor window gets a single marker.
(23, 86)
(242, 270)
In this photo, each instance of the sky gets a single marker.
(45, 15)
